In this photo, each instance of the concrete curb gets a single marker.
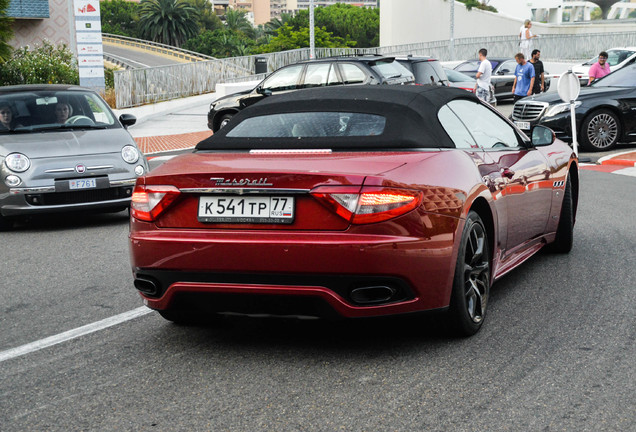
(627, 159)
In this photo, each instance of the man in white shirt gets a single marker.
(482, 86)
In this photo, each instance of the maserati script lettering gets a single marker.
(220, 181)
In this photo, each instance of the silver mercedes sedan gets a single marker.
(63, 149)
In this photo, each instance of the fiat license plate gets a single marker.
(246, 209)
(88, 183)
(523, 125)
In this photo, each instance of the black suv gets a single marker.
(356, 70)
(427, 70)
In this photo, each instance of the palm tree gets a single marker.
(171, 22)
(236, 20)
(272, 26)
(6, 32)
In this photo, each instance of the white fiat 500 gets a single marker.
(63, 149)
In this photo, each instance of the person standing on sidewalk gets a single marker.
(482, 86)
(539, 75)
(525, 38)
(599, 69)
(524, 78)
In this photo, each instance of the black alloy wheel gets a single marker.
(600, 131)
(225, 119)
(471, 284)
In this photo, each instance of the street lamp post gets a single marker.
(451, 42)
(312, 42)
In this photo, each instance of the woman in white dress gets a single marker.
(526, 36)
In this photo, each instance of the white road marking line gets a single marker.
(72, 334)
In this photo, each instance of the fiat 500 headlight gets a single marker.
(130, 154)
(559, 108)
(17, 162)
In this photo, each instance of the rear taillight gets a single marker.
(148, 202)
(369, 204)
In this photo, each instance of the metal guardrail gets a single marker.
(150, 85)
(156, 47)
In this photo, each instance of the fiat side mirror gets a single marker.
(127, 120)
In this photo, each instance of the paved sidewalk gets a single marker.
(167, 143)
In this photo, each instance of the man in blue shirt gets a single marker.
(524, 78)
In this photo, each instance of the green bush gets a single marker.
(45, 64)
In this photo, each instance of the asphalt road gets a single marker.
(139, 58)
(557, 351)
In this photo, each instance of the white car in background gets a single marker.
(616, 57)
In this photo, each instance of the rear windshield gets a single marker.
(310, 125)
(391, 69)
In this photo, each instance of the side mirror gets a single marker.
(542, 136)
(503, 72)
(127, 120)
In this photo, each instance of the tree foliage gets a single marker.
(45, 64)
(6, 31)
(207, 19)
(289, 39)
(351, 23)
(221, 43)
(478, 5)
(120, 17)
(236, 21)
(169, 22)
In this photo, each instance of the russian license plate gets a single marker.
(246, 209)
(88, 183)
(523, 125)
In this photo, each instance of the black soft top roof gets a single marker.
(410, 112)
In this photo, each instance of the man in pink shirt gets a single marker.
(600, 68)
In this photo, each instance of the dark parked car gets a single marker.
(426, 70)
(464, 82)
(63, 149)
(503, 75)
(332, 71)
(353, 202)
(605, 112)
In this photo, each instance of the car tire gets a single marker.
(6, 224)
(225, 119)
(471, 283)
(600, 131)
(565, 230)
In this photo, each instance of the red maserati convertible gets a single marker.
(352, 202)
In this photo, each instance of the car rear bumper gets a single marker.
(353, 275)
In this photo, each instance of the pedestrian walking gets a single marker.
(525, 39)
(482, 85)
(524, 78)
(599, 69)
(539, 73)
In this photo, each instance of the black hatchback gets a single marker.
(331, 71)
